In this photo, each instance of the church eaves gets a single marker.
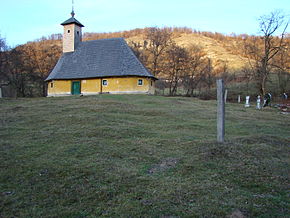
(71, 21)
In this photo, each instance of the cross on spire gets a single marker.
(72, 12)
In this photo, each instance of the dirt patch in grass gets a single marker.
(236, 214)
(164, 165)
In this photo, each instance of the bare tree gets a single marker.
(262, 52)
(157, 40)
(175, 66)
(40, 60)
(15, 72)
(247, 75)
(282, 66)
(3, 56)
(26, 67)
(208, 76)
(195, 64)
(139, 50)
(3, 46)
(4, 63)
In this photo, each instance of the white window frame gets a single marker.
(141, 82)
(105, 80)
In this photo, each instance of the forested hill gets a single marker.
(222, 49)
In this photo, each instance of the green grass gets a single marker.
(140, 156)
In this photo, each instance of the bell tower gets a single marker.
(72, 34)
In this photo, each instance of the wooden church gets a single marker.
(97, 66)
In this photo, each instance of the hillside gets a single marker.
(140, 156)
(214, 50)
(219, 52)
(220, 48)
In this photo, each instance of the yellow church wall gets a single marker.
(119, 85)
(115, 85)
(90, 86)
(59, 87)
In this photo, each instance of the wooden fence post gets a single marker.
(220, 111)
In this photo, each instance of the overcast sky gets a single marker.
(27, 20)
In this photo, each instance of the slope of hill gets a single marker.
(220, 53)
(214, 50)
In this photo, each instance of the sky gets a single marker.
(27, 20)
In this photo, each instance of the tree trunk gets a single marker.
(263, 85)
(44, 89)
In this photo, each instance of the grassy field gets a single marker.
(141, 156)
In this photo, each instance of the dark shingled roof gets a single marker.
(99, 58)
(72, 20)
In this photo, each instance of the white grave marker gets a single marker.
(258, 102)
(247, 101)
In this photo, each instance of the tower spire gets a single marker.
(72, 32)
(72, 11)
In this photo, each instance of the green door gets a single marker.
(76, 88)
